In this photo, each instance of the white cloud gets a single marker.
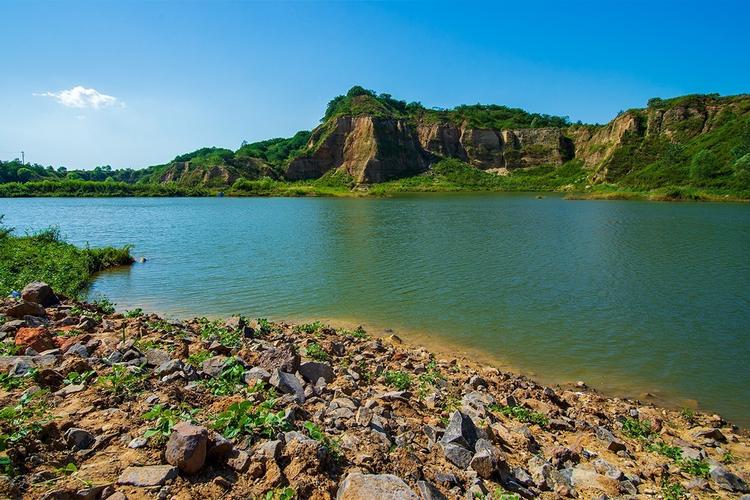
(81, 97)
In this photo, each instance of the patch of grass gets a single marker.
(161, 325)
(215, 331)
(134, 313)
(26, 418)
(397, 379)
(104, 305)
(637, 429)
(165, 419)
(673, 491)
(228, 381)
(122, 382)
(432, 374)
(67, 469)
(9, 349)
(265, 327)
(660, 447)
(196, 359)
(246, 418)
(728, 458)
(45, 256)
(333, 446)
(688, 415)
(522, 414)
(315, 351)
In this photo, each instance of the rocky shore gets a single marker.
(101, 404)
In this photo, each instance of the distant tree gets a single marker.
(24, 174)
(742, 169)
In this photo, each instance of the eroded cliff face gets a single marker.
(370, 149)
(187, 174)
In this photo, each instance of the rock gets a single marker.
(429, 492)
(79, 439)
(728, 480)
(171, 366)
(70, 389)
(12, 325)
(279, 358)
(270, 449)
(253, 375)
(457, 455)
(483, 462)
(40, 293)
(186, 448)
(313, 370)
(603, 467)
(39, 339)
(23, 308)
(79, 350)
(613, 444)
(288, 384)
(358, 486)
(239, 460)
(149, 475)
(218, 447)
(461, 430)
(138, 442)
(86, 324)
(47, 377)
(213, 366)
(712, 434)
(156, 357)
(35, 322)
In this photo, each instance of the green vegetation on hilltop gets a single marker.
(45, 256)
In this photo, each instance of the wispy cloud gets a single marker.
(81, 97)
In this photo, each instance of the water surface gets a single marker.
(628, 296)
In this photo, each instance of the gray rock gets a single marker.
(253, 375)
(461, 430)
(138, 442)
(288, 384)
(156, 357)
(218, 447)
(39, 292)
(429, 492)
(79, 350)
(150, 475)
(171, 366)
(457, 455)
(271, 449)
(314, 370)
(213, 366)
(70, 389)
(24, 308)
(86, 324)
(728, 480)
(186, 448)
(35, 322)
(358, 486)
(483, 462)
(712, 434)
(79, 439)
(607, 469)
(279, 358)
(613, 444)
(239, 460)
(12, 325)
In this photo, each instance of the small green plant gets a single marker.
(123, 382)
(280, 494)
(3, 319)
(309, 328)
(501, 494)
(727, 458)
(247, 419)
(695, 467)
(9, 349)
(522, 414)
(432, 374)
(672, 491)
(9, 382)
(67, 469)
(397, 379)
(134, 313)
(637, 429)
(164, 419)
(161, 325)
(26, 418)
(6, 466)
(75, 378)
(228, 381)
(68, 333)
(105, 305)
(688, 415)
(197, 358)
(333, 446)
(264, 327)
(358, 333)
(214, 331)
(660, 447)
(315, 351)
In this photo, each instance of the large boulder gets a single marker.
(24, 308)
(357, 486)
(461, 431)
(40, 293)
(186, 448)
(39, 339)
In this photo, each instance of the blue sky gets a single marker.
(162, 78)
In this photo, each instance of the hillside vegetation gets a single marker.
(695, 147)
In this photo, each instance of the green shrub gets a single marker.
(315, 351)
(122, 382)
(637, 429)
(215, 331)
(228, 381)
(331, 445)
(704, 165)
(248, 419)
(398, 379)
(164, 419)
(521, 414)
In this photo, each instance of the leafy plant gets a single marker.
(197, 358)
(105, 305)
(9, 382)
(432, 374)
(728, 458)
(26, 418)
(75, 378)
(214, 331)
(637, 429)
(134, 313)
(333, 446)
(123, 382)
(264, 327)
(6, 466)
(673, 452)
(247, 419)
(280, 494)
(688, 415)
(398, 379)
(228, 380)
(309, 328)
(672, 491)
(9, 349)
(316, 351)
(522, 414)
(67, 469)
(165, 418)
(699, 468)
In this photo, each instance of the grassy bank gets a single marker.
(45, 256)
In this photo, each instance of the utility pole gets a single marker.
(23, 158)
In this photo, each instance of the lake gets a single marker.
(631, 297)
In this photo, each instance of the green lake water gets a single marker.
(632, 297)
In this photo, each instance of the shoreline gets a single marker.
(305, 409)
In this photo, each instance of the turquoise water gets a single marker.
(631, 297)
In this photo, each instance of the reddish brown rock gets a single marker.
(39, 339)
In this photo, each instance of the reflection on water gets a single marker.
(625, 295)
